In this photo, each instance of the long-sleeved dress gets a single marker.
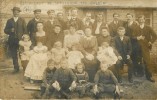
(89, 45)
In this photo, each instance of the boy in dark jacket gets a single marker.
(64, 80)
(123, 45)
(105, 81)
(46, 86)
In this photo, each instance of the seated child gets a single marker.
(57, 53)
(64, 80)
(107, 53)
(105, 81)
(46, 86)
(74, 57)
(82, 80)
(25, 53)
(37, 63)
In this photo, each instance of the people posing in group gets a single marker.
(80, 55)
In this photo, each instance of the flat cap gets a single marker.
(37, 10)
(16, 9)
(50, 11)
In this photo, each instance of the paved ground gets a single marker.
(12, 86)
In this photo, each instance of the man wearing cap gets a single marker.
(15, 28)
(75, 20)
(49, 26)
(115, 24)
(31, 26)
(98, 23)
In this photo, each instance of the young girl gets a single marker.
(37, 63)
(107, 53)
(74, 57)
(25, 53)
(82, 80)
(57, 53)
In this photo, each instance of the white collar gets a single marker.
(15, 19)
(37, 19)
(115, 22)
(40, 34)
(88, 38)
(142, 26)
(130, 23)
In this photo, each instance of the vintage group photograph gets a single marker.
(77, 49)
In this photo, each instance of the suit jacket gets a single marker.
(113, 27)
(124, 47)
(95, 26)
(49, 28)
(19, 27)
(54, 38)
(77, 23)
(31, 27)
(150, 36)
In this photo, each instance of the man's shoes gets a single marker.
(116, 96)
(130, 80)
(15, 71)
(119, 80)
(151, 79)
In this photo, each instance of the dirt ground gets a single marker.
(12, 86)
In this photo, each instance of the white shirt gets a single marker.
(130, 23)
(51, 20)
(97, 31)
(142, 26)
(121, 38)
(36, 19)
(15, 19)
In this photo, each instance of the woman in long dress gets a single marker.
(89, 49)
(38, 61)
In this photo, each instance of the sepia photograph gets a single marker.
(78, 49)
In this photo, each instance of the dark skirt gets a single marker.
(91, 67)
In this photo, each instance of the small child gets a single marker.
(82, 80)
(74, 57)
(57, 53)
(25, 53)
(105, 81)
(64, 80)
(107, 53)
(46, 86)
(37, 63)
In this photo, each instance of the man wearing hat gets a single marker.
(75, 20)
(15, 28)
(31, 26)
(49, 25)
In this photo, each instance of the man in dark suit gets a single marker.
(15, 28)
(113, 26)
(122, 44)
(146, 37)
(31, 26)
(131, 30)
(98, 23)
(75, 20)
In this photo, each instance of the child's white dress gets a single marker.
(74, 57)
(107, 55)
(37, 63)
(25, 50)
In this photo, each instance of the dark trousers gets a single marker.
(119, 66)
(13, 47)
(147, 71)
(47, 90)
